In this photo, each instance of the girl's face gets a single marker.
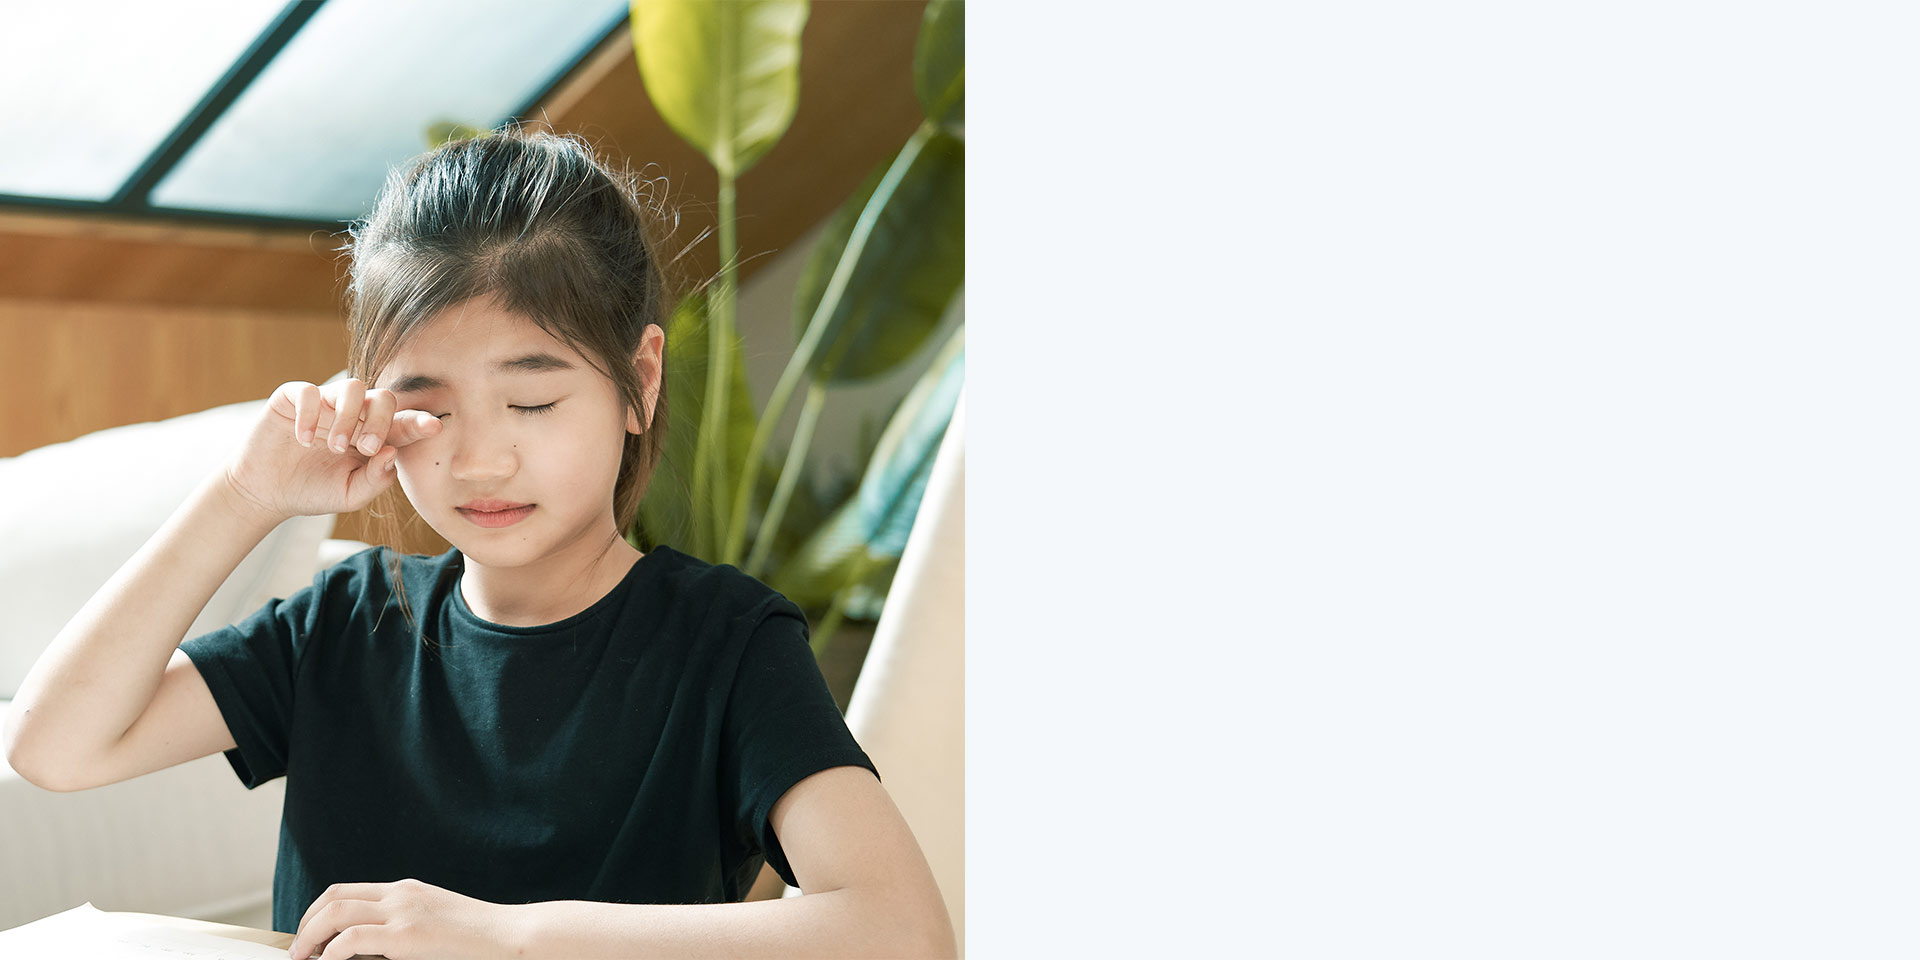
(524, 420)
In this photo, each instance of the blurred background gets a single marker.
(173, 190)
(170, 196)
(181, 175)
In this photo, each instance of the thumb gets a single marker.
(374, 476)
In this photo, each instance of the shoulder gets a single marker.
(374, 572)
(718, 588)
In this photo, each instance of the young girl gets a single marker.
(541, 742)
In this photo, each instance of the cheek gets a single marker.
(413, 464)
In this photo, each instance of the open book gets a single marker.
(88, 932)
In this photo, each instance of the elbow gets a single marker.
(10, 729)
(939, 944)
(25, 770)
(10, 750)
(18, 759)
(51, 786)
(934, 937)
(906, 926)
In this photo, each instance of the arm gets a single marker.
(71, 722)
(103, 668)
(868, 892)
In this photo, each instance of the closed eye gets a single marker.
(530, 411)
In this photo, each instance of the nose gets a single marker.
(480, 450)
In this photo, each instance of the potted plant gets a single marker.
(725, 77)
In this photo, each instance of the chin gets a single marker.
(501, 553)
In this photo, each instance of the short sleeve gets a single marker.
(781, 727)
(250, 666)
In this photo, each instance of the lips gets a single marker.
(492, 506)
(512, 514)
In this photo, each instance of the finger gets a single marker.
(376, 421)
(306, 411)
(346, 418)
(336, 892)
(329, 922)
(373, 476)
(413, 426)
(365, 939)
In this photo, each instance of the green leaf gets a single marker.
(805, 512)
(940, 65)
(724, 75)
(445, 130)
(668, 511)
(906, 274)
(872, 526)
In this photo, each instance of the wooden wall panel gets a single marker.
(81, 367)
(114, 260)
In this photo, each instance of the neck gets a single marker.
(550, 589)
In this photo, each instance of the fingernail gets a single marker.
(306, 438)
(338, 445)
(368, 446)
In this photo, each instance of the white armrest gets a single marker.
(334, 550)
(909, 706)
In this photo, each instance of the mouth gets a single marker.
(507, 516)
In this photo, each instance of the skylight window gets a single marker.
(93, 88)
(105, 94)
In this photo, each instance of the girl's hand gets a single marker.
(404, 920)
(289, 465)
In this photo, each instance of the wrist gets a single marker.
(515, 928)
(236, 499)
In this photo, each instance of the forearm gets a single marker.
(835, 923)
(103, 668)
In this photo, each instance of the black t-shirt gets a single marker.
(631, 753)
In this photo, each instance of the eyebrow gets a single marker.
(531, 363)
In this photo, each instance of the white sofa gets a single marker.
(187, 841)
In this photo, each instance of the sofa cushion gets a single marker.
(79, 510)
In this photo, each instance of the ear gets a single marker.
(648, 362)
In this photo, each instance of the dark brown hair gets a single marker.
(542, 224)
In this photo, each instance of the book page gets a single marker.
(86, 931)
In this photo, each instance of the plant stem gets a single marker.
(790, 473)
(862, 566)
(829, 623)
(710, 449)
(802, 359)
